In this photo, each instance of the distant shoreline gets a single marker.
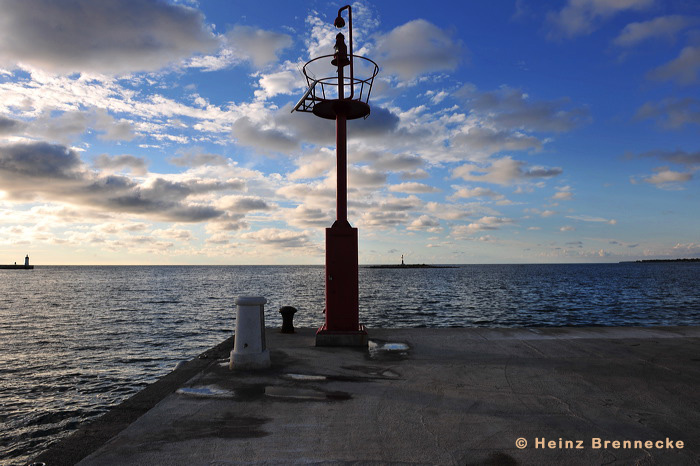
(660, 260)
(411, 266)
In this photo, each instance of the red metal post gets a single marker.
(341, 144)
(342, 327)
(341, 168)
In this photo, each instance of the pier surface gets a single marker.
(419, 396)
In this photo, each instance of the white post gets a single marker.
(249, 349)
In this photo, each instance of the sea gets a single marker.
(76, 341)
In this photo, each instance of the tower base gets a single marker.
(356, 338)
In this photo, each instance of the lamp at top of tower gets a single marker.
(340, 58)
(339, 21)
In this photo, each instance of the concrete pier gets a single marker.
(419, 396)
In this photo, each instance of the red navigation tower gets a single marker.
(340, 98)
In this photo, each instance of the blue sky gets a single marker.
(136, 132)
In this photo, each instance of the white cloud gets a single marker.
(483, 224)
(580, 17)
(396, 162)
(504, 171)
(137, 165)
(278, 238)
(259, 46)
(262, 138)
(41, 171)
(309, 217)
(412, 187)
(364, 177)
(666, 178)
(279, 82)
(589, 218)
(681, 157)
(673, 113)
(476, 192)
(242, 204)
(197, 159)
(418, 47)
(314, 165)
(482, 142)
(107, 36)
(683, 69)
(563, 194)
(424, 223)
(513, 109)
(661, 27)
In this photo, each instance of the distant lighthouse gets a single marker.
(26, 261)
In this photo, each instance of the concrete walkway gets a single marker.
(424, 396)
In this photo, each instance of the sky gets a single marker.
(513, 131)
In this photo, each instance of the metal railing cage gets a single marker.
(321, 97)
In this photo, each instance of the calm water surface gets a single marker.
(75, 341)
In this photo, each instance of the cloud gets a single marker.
(389, 212)
(365, 177)
(581, 17)
(418, 47)
(67, 126)
(112, 129)
(136, 165)
(265, 139)
(482, 142)
(309, 217)
(243, 204)
(563, 194)
(396, 162)
(483, 224)
(688, 159)
(380, 122)
(10, 126)
(377, 219)
(673, 113)
(31, 171)
(476, 192)
(279, 239)
(107, 36)
(589, 218)
(257, 45)
(665, 178)
(512, 108)
(567, 228)
(683, 69)
(504, 171)
(412, 187)
(424, 223)
(662, 27)
(194, 159)
(275, 83)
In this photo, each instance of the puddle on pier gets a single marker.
(305, 377)
(375, 371)
(208, 391)
(330, 378)
(261, 391)
(304, 394)
(379, 349)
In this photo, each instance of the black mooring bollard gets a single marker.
(288, 318)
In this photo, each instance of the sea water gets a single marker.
(75, 341)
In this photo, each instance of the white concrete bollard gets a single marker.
(249, 349)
